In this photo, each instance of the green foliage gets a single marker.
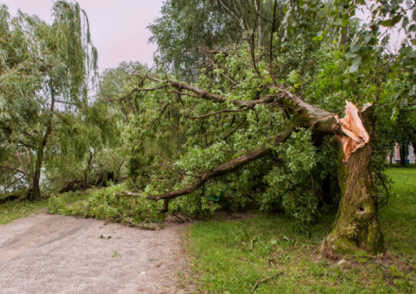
(17, 209)
(103, 204)
(397, 217)
(294, 182)
(45, 73)
(204, 28)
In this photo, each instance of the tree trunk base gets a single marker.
(337, 244)
(356, 230)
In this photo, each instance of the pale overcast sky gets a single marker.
(118, 28)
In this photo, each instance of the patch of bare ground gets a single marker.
(62, 254)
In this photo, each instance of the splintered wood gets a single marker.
(352, 125)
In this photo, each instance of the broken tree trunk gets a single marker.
(356, 228)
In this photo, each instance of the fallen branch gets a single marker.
(128, 194)
(144, 222)
(181, 220)
(230, 215)
(264, 280)
(252, 243)
(136, 225)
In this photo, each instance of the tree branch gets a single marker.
(284, 94)
(230, 133)
(222, 169)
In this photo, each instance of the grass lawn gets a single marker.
(231, 256)
(13, 210)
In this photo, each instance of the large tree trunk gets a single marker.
(402, 154)
(356, 228)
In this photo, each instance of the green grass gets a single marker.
(398, 218)
(223, 259)
(12, 210)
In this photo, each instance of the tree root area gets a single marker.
(62, 254)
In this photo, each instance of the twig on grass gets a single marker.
(246, 234)
(230, 215)
(264, 280)
(252, 243)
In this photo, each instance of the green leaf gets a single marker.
(368, 38)
(405, 22)
(396, 19)
(412, 28)
(355, 65)
(345, 23)
(366, 58)
(355, 48)
(373, 41)
(386, 23)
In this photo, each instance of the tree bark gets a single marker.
(356, 229)
(402, 154)
(391, 156)
(36, 193)
(36, 179)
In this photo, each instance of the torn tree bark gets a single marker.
(356, 229)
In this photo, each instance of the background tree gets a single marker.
(404, 133)
(61, 68)
(190, 33)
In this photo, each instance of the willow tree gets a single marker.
(267, 122)
(43, 66)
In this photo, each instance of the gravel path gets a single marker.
(62, 254)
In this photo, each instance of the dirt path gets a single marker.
(62, 254)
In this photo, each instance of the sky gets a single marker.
(118, 28)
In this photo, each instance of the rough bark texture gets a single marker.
(36, 179)
(357, 229)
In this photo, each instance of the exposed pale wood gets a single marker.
(353, 127)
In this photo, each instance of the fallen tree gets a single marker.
(259, 109)
(357, 228)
